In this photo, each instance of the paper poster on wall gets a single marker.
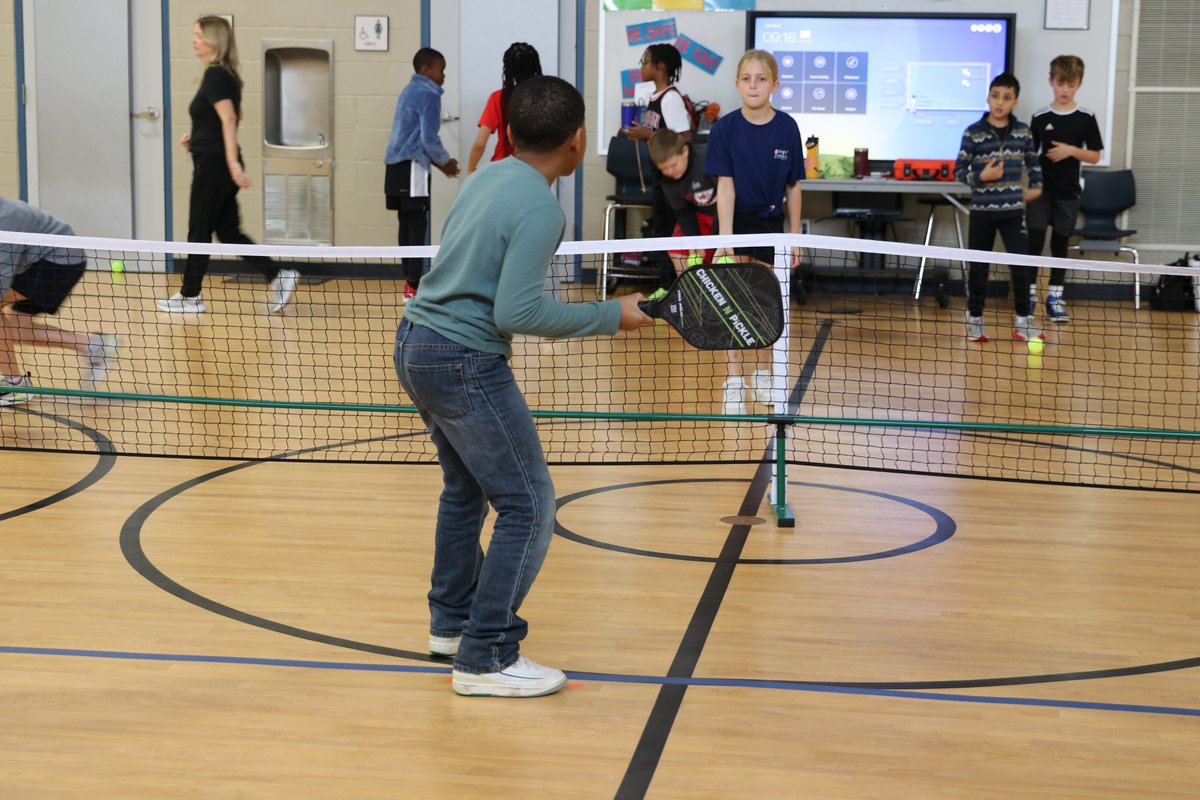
(662, 30)
(698, 54)
(629, 79)
(678, 5)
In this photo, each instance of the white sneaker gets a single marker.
(1024, 329)
(178, 304)
(523, 678)
(100, 353)
(761, 381)
(734, 396)
(8, 398)
(283, 286)
(975, 330)
(444, 646)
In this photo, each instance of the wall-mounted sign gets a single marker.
(371, 33)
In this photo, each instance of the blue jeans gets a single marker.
(489, 451)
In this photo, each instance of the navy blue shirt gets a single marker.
(763, 160)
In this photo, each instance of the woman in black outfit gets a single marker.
(217, 169)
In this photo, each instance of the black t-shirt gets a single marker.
(1077, 128)
(695, 191)
(218, 84)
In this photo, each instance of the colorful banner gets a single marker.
(678, 5)
(662, 30)
(698, 54)
(629, 77)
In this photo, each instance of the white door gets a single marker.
(88, 157)
(474, 34)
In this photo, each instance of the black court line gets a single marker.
(648, 753)
(135, 555)
(107, 460)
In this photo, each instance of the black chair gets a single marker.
(873, 213)
(1107, 195)
(629, 162)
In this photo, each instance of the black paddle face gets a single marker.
(724, 307)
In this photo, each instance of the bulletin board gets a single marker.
(711, 43)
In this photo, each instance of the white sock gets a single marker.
(1056, 292)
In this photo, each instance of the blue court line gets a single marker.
(609, 677)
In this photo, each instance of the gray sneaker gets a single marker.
(523, 678)
(1024, 329)
(975, 329)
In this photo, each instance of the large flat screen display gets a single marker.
(901, 85)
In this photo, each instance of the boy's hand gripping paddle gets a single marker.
(723, 307)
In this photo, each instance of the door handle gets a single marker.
(151, 113)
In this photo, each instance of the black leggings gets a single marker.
(214, 209)
(413, 216)
(981, 235)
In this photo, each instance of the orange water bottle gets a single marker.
(812, 158)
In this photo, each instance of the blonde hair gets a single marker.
(216, 31)
(763, 57)
(1069, 68)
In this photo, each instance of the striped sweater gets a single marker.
(980, 146)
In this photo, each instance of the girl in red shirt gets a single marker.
(521, 63)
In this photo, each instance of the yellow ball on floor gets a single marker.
(1036, 346)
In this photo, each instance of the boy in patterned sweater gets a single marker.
(991, 159)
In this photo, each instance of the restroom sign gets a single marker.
(371, 33)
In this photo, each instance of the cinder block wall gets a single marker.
(365, 88)
(9, 179)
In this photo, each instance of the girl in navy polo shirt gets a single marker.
(758, 157)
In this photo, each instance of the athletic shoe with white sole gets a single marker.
(975, 330)
(1024, 329)
(8, 398)
(283, 287)
(523, 678)
(178, 304)
(1056, 310)
(99, 356)
(444, 646)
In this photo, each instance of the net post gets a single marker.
(784, 517)
(780, 381)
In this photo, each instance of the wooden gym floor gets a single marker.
(178, 627)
